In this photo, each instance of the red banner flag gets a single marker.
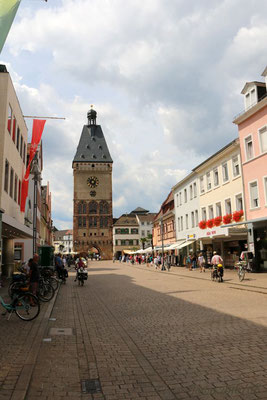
(37, 130)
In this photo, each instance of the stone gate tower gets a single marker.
(92, 205)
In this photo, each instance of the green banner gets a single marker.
(8, 9)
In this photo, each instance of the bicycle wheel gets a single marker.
(241, 274)
(27, 306)
(12, 289)
(53, 282)
(45, 292)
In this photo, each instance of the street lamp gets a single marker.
(36, 178)
(162, 243)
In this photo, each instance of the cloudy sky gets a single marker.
(164, 76)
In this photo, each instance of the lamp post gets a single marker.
(36, 178)
(162, 243)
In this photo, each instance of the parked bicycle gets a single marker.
(19, 283)
(242, 268)
(25, 305)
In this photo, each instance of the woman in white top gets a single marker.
(201, 262)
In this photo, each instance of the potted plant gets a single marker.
(227, 219)
(210, 223)
(237, 215)
(202, 224)
(218, 220)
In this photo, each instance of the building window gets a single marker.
(236, 168)
(195, 189)
(204, 213)
(21, 146)
(24, 153)
(239, 202)
(182, 224)
(11, 183)
(208, 181)
(211, 213)
(178, 224)
(265, 189)
(216, 177)
(93, 207)
(191, 192)
(249, 147)
(134, 231)
(6, 176)
(196, 217)
(177, 200)
(79, 222)
(201, 180)
(9, 120)
(19, 194)
(185, 195)
(143, 233)
(228, 207)
(14, 129)
(193, 219)
(225, 172)
(103, 208)
(180, 195)
(254, 195)
(16, 188)
(263, 139)
(186, 221)
(218, 210)
(18, 137)
(84, 222)
(80, 208)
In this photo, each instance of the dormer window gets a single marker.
(253, 92)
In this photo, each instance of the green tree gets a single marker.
(143, 240)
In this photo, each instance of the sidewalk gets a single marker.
(252, 280)
(20, 342)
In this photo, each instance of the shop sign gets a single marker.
(190, 237)
(211, 233)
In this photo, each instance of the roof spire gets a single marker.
(91, 115)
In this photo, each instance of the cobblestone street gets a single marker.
(141, 333)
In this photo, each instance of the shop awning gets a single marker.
(187, 243)
(128, 251)
(176, 245)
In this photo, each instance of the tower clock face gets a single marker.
(92, 181)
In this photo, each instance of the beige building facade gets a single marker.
(13, 158)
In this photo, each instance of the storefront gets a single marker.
(228, 241)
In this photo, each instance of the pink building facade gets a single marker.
(252, 128)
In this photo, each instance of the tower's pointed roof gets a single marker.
(92, 146)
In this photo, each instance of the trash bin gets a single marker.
(46, 255)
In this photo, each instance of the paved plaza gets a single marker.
(135, 332)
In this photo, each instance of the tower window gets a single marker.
(93, 207)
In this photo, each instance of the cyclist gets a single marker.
(215, 261)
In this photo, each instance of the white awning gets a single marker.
(187, 243)
(176, 245)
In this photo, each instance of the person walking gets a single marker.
(34, 274)
(189, 262)
(194, 261)
(201, 262)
